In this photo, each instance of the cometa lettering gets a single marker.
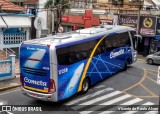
(41, 83)
(115, 54)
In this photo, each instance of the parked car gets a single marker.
(153, 58)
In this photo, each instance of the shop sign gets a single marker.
(158, 27)
(87, 18)
(147, 25)
(106, 22)
(108, 17)
(65, 18)
(39, 23)
(130, 21)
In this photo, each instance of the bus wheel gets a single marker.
(125, 66)
(85, 85)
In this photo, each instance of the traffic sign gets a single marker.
(39, 23)
(60, 29)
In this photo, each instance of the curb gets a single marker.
(9, 87)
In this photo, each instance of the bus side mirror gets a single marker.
(139, 37)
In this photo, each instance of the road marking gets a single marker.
(86, 112)
(153, 80)
(106, 103)
(147, 97)
(152, 70)
(153, 94)
(107, 112)
(3, 103)
(140, 59)
(144, 76)
(131, 102)
(132, 112)
(10, 92)
(89, 96)
(152, 112)
(140, 83)
(101, 98)
(96, 100)
(100, 86)
(5, 112)
(152, 73)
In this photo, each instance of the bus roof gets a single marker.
(73, 37)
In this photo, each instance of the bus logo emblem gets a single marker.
(115, 54)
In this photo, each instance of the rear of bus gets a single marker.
(36, 77)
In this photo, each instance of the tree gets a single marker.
(56, 5)
(48, 4)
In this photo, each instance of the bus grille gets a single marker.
(34, 71)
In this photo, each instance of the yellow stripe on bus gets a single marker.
(35, 89)
(88, 63)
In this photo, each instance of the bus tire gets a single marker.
(85, 85)
(125, 66)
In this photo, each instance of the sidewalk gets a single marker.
(10, 83)
(15, 82)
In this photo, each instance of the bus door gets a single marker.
(35, 67)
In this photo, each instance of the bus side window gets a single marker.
(72, 57)
(77, 56)
(83, 55)
(98, 51)
(109, 43)
(134, 39)
(124, 39)
(72, 51)
(100, 48)
(78, 52)
(62, 56)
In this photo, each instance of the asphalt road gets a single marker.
(137, 86)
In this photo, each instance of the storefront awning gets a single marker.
(16, 21)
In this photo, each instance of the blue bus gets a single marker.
(56, 67)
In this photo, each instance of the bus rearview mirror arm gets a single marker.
(139, 37)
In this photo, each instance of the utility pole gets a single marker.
(59, 16)
(139, 13)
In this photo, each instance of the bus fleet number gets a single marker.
(62, 71)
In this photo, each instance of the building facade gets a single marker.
(118, 12)
(14, 25)
(131, 13)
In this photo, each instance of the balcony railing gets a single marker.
(14, 38)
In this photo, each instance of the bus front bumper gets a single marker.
(40, 96)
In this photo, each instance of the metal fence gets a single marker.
(14, 38)
(7, 68)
